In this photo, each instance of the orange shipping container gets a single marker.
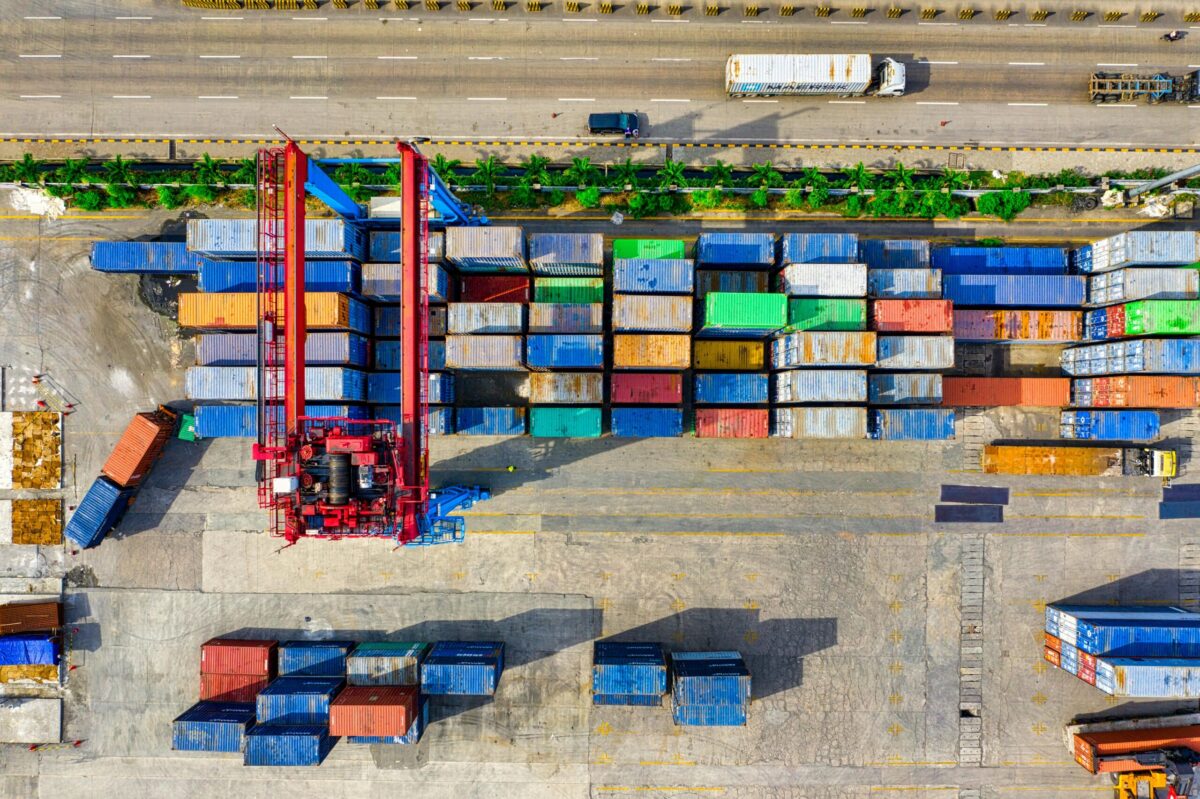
(1089, 746)
(30, 617)
(1018, 325)
(1070, 461)
(139, 447)
(373, 710)
(1053, 642)
(652, 352)
(1052, 656)
(324, 310)
(958, 392)
(230, 687)
(1137, 391)
(912, 316)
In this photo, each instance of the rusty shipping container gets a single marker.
(248, 656)
(728, 356)
(373, 710)
(324, 311)
(139, 447)
(1091, 747)
(651, 313)
(1018, 325)
(732, 422)
(652, 351)
(958, 392)
(823, 348)
(912, 316)
(566, 388)
(1136, 391)
(30, 617)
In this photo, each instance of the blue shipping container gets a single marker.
(280, 745)
(653, 276)
(241, 421)
(1110, 425)
(99, 511)
(298, 700)
(905, 389)
(731, 388)
(1149, 678)
(490, 421)
(463, 668)
(1000, 260)
(31, 649)
(628, 669)
(904, 284)
(749, 250)
(415, 730)
(647, 422)
(709, 715)
(242, 276)
(313, 658)
(320, 349)
(441, 419)
(238, 238)
(564, 352)
(912, 424)
(1167, 638)
(714, 678)
(1095, 325)
(212, 727)
(145, 257)
(384, 388)
(1179, 356)
(1019, 291)
(895, 253)
(1138, 247)
(819, 248)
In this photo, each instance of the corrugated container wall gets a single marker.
(746, 282)
(384, 388)
(249, 657)
(895, 253)
(494, 288)
(999, 260)
(486, 248)
(373, 710)
(386, 663)
(564, 352)
(1149, 678)
(744, 314)
(826, 314)
(904, 283)
(561, 422)
(823, 349)
(647, 423)
(238, 238)
(139, 447)
(212, 727)
(819, 248)
(824, 280)
(320, 349)
(1123, 285)
(1049, 291)
(297, 700)
(1144, 356)
(653, 276)
(1157, 318)
(1135, 391)
(579, 254)
(912, 316)
(672, 249)
(1052, 392)
(1138, 247)
(912, 424)
(732, 422)
(313, 658)
(278, 745)
(385, 246)
(568, 388)
(490, 421)
(647, 389)
(651, 351)
(471, 668)
(730, 388)
(562, 317)
(234, 383)
(241, 421)
(485, 317)
(485, 352)
(628, 669)
(848, 423)
(382, 282)
(651, 313)
(1110, 425)
(29, 617)
(728, 355)
(145, 257)
(904, 389)
(324, 310)
(568, 289)
(231, 687)
(820, 385)
(1017, 325)
(748, 250)
(709, 715)
(98, 512)
(240, 276)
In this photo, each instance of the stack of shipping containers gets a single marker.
(30, 642)
(627, 673)
(709, 689)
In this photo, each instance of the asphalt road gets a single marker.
(74, 69)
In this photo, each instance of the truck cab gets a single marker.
(889, 78)
(1151, 462)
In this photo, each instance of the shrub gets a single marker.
(556, 197)
(589, 197)
(760, 198)
(169, 197)
(90, 200)
(1003, 204)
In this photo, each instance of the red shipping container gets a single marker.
(1053, 643)
(1114, 320)
(958, 392)
(231, 687)
(30, 617)
(494, 288)
(1052, 657)
(636, 388)
(245, 656)
(732, 422)
(1087, 660)
(912, 316)
(373, 710)
(139, 447)
(1086, 674)
(1144, 391)
(1090, 745)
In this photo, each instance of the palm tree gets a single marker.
(208, 170)
(534, 169)
(954, 179)
(581, 172)
(446, 168)
(765, 174)
(72, 172)
(720, 173)
(487, 171)
(28, 170)
(626, 173)
(859, 176)
(246, 172)
(119, 171)
(670, 174)
(902, 177)
(353, 175)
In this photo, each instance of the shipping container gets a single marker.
(441, 420)
(904, 389)
(212, 727)
(564, 352)
(242, 276)
(628, 669)
(388, 355)
(501, 353)
(826, 314)
(566, 388)
(373, 710)
(1026, 326)
(904, 283)
(819, 248)
(709, 715)
(647, 423)
(287, 745)
(999, 260)
(560, 422)
(715, 354)
(323, 311)
(385, 246)
(139, 447)
(912, 316)
(387, 321)
(26, 675)
(823, 280)
(485, 318)
(1053, 460)
(313, 658)
(795, 74)
(29, 649)
(413, 736)
(490, 421)
(490, 248)
(657, 249)
(145, 257)
(1140, 356)
(1155, 318)
(566, 254)
(1031, 291)
(1065, 618)
(653, 276)
(1135, 391)
(570, 290)
(382, 282)
(1110, 425)
(732, 282)
(719, 678)
(255, 657)
(731, 388)
(823, 348)
(633, 388)
(819, 385)
(842, 423)
(561, 317)
(242, 688)
(732, 422)
(386, 663)
(651, 313)
(1112, 751)
(233, 383)
(895, 253)
(470, 668)
(1123, 285)
(238, 238)
(651, 351)
(912, 424)
(297, 700)
(494, 288)
(1095, 322)
(1149, 678)
(745, 250)
(435, 352)
(98, 512)
(30, 617)
(1138, 247)
(241, 421)
(743, 314)
(1140, 637)
(320, 349)
(1053, 392)
(437, 321)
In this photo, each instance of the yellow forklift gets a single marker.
(1153, 757)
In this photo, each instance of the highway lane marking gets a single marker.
(220, 56)
(1027, 63)
(577, 99)
(40, 56)
(1029, 105)
(935, 103)
(41, 96)
(668, 100)
(1116, 65)
(43, 17)
(395, 98)
(578, 58)
(308, 97)
(1193, 66)
(217, 97)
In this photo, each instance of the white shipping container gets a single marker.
(1124, 285)
(798, 74)
(844, 423)
(503, 353)
(820, 385)
(824, 280)
(486, 247)
(823, 348)
(564, 317)
(563, 388)
(485, 317)
(651, 313)
(915, 352)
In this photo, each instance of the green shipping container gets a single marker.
(826, 314)
(563, 422)
(736, 311)
(649, 248)
(1162, 318)
(568, 289)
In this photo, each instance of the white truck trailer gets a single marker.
(844, 75)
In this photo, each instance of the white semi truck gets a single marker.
(844, 75)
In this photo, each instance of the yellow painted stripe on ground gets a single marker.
(1071, 535)
(1035, 516)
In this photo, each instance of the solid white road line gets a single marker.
(41, 96)
(39, 56)
(309, 57)
(131, 56)
(132, 18)
(43, 17)
(131, 97)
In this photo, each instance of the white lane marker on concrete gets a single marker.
(1029, 105)
(395, 98)
(760, 101)
(931, 102)
(308, 97)
(131, 56)
(1116, 65)
(669, 100)
(485, 58)
(217, 97)
(220, 56)
(43, 17)
(847, 102)
(309, 57)
(396, 57)
(1194, 106)
(945, 63)
(59, 97)
(488, 99)
(39, 56)
(131, 97)
(577, 99)
(1027, 63)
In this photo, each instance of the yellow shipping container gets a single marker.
(324, 309)
(652, 352)
(42, 673)
(728, 355)
(1070, 461)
